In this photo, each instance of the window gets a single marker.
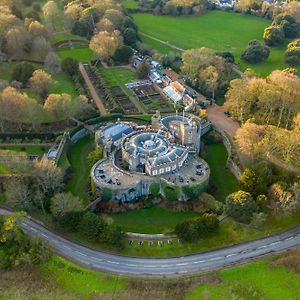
(161, 171)
(154, 172)
(168, 169)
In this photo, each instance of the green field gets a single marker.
(64, 36)
(218, 30)
(250, 282)
(77, 156)
(130, 4)
(221, 178)
(151, 220)
(117, 76)
(81, 54)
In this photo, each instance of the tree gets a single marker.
(105, 44)
(256, 52)
(210, 77)
(70, 66)
(71, 220)
(22, 72)
(240, 206)
(16, 39)
(114, 236)
(60, 106)
(273, 35)
(36, 29)
(91, 226)
(292, 55)
(130, 36)
(63, 203)
(292, 8)
(143, 70)
(48, 180)
(52, 63)
(94, 156)
(16, 248)
(247, 5)
(254, 182)
(123, 55)
(106, 194)
(41, 82)
(50, 11)
(40, 48)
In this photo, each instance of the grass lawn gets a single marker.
(64, 36)
(161, 48)
(251, 281)
(218, 30)
(131, 4)
(151, 220)
(82, 54)
(117, 76)
(63, 84)
(31, 150)
(77, 158)
(80, 280)
(221, 178)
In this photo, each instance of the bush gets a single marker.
(193, 230)
(256, 52)
(113, 236)
(193, 191)
(71, 220)
(273, 36)
(123, 54)
(171, 193)
(91, 226)
(22, 72)
(241, 206)
(288, 25)
(154, 189)
(292, 55)
(143, 70)
(106, 194)
(70, 66)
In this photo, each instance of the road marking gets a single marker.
(290, 238)
(182, 264)
(113, 262)
(275, 243)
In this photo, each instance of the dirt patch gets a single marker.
(74, 270)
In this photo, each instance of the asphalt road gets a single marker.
(175, 266)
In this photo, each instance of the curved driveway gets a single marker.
(175, 266)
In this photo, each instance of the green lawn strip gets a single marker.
(64, 84)
(6, 70)
(80, 280)
(3, 170)
(65, 36)
(251, 281)
(151, 220)
(130, 4)
(77, 156)
(218, 30)
(31, 150)
(81, 54)
(222, 178)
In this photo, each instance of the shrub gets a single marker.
(154, 189)
(70, 66)
(240, 206)
(273, 35)
(256, 52)
(171, 193)
(114, 236)
(193, 230)
(193, 191)
(22, 72)
(71, 220)
(106, 194)
(91, 226)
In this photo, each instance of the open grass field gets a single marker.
(77, 158)
(218, 30)
(81, 54)
(251, 281)
(221, 178)
(151, 220)
(117, 76)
